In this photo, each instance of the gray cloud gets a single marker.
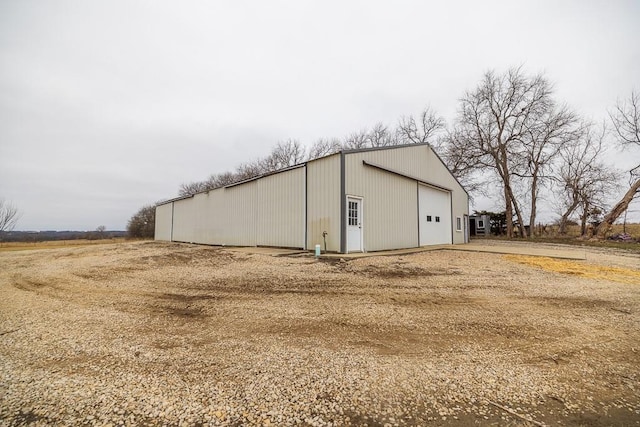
(106, 106)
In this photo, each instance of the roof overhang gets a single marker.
(404, 175)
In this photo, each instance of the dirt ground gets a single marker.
(149, 333)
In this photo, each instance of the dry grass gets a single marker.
(55, 244)
(572, 237)
(578, 268)
(574, 230)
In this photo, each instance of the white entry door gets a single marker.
(354, 224)
(434, 212)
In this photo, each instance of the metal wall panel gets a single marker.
(280, 209)
(277, 210)
(184, 215)
(389, 205)
(163, 222)
(399, 208)
(323, 202)
(240, 210)
(216, 221)
(199, 203)
(269, 211)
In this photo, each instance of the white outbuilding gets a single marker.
(353, 201)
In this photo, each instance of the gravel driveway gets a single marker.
(151, 333)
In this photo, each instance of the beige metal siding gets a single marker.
(268, 211)
(163, 222)
(392, 193)
(323, 202)
(390, 209)
(199, 202)
(277, 210)
(280, 209)
(239, 210)
(216, 222)
(460, 203)
(184, 215)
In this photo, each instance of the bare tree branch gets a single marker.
(626, 122)
(510, 124)
(625, 118)
(357, 140)
(324, 147)
(412, 132)
(9, 216)
(583, 180)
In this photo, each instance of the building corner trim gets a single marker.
(172, 209)
(306, 207)
(343, 205)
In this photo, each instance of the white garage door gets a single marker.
(434, 213)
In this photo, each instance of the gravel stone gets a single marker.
(150, 333)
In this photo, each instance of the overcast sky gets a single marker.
(109, 105)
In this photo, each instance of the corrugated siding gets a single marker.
(163, 222)
(217, 224)
(184, 217)
(240, 210)
(268, 211)
(272, 211)
(280, 209)
(390, 205)
(420, 162)
(323, 202)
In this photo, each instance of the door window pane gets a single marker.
(352, 214)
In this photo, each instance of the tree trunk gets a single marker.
(562, 229)
(617, 210)
(583, 221)
(502, 168)
(514, 203)
(523, 230)
(534, 199)
(508, 211)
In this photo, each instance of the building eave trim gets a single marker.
(255, 178)
(413, 178)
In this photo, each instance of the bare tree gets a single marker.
(452, 152)
(494, 121)
(284, 154)
(249, 170)
(194, 187)
(357, 140)
(381, 136)
(324, 147)
(222, 179)
(9, 216)
(541, 144)
(583, 180)
(422, 131)
(626, 122)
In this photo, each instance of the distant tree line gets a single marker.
(53, 235)
(291, 152)
(511, 138)
(142, 223)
